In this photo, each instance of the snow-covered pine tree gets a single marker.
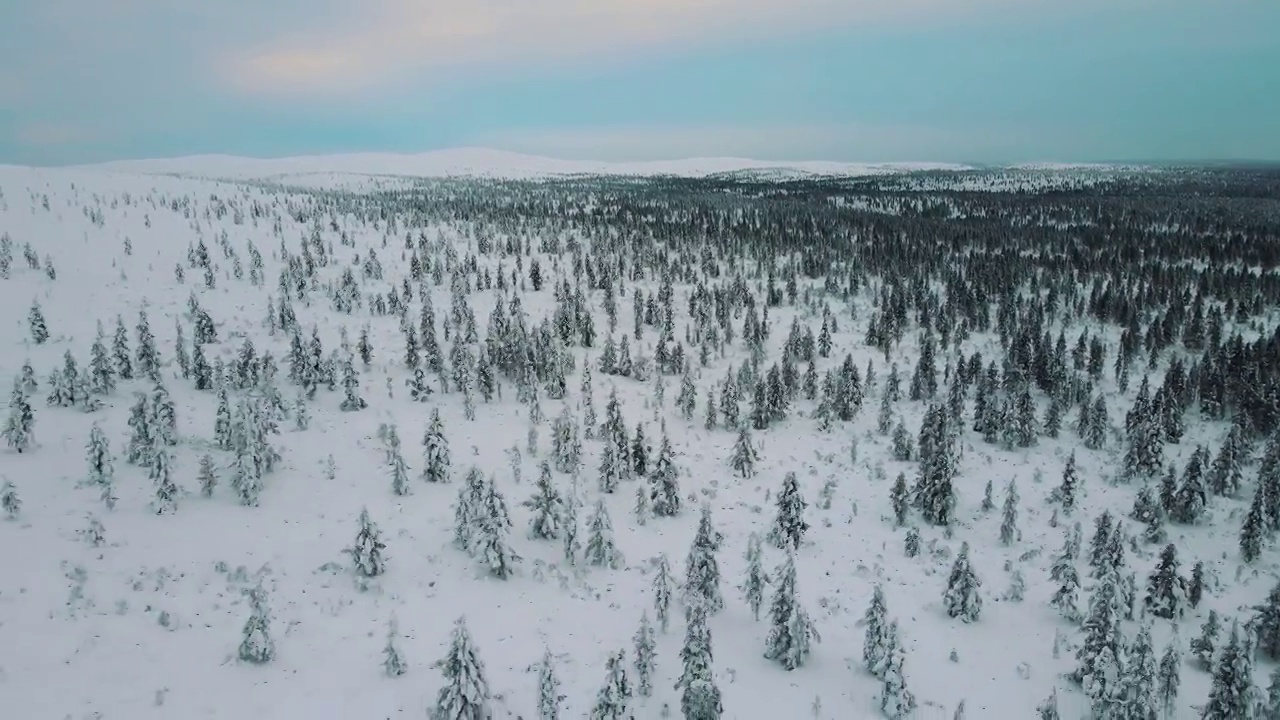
(102, 375)
(547, 507)
(1069, 487)
(600, 550)
(366, 553)
(1048, 710)
(744, 458)
(900, 499)
(256, 644)
(351, 401)
(753, 586)
(142, 435)
(35, 320)
(645, 656)
(1009, 532)
(1231, 695)
(399, 472)
(896, 701)
(571, 544)
(435, 451)
(702, 570)
(1137, 686)
(663, 585)
(161, 473)
(1166, 589)
(393, 663)
(1204, 646)
(699, 695)
(664, 484)
(611, 700)
(792, 631)
(549, 697)
(492, 543)
(10, 501)
(465, 695)
(120, 351)
(208, 475)
(789, 525)
(146, 354)
(962, 598)
(873, 645)
(1169, 677)
(19, 426)
(164, 417)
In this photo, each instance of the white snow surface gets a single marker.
(107, 655)
(484, 162)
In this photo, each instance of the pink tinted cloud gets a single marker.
(399, 39)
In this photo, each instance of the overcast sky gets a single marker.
(874, 80)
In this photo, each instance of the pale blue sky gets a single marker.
(874, 80)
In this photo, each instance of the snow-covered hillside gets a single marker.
(481, 162)
(139, 607)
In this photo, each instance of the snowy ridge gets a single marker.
(484, 162)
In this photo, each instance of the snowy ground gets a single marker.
(152, 629)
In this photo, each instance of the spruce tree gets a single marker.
(645, 656)
(547, 507)
(491, 541)
(435, 451)
(1169, 676)
(1253, 532)
(102, 374)
(99, 458)
(208, 476)
(21, 421)
(166, 499)
(702, 570)
(896, 701)
(1009, 532)
(1069, 487)
(663, 583)
(600, 550)
(1231, 696)
(699, 695)
(465, 695)
(744, 458)
(789, 525)
(1166, 589)
(1271, 710)
(256, 645)
(571, 544)
(399, 473)
(1048, 710)
(753, 586)
(611, 700)
(792, 631)
(1204, 646)
(873, 644)
(35, 320)
(366, 553)
(900, 499)
(664, 493)
(549, 697)
(962, 597)
(120, 351)
(10, 502)
(393, 663)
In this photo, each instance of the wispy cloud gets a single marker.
(853, 142)
(410, 38)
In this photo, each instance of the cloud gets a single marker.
(798, 142)
(52, 134)
(400, 39)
